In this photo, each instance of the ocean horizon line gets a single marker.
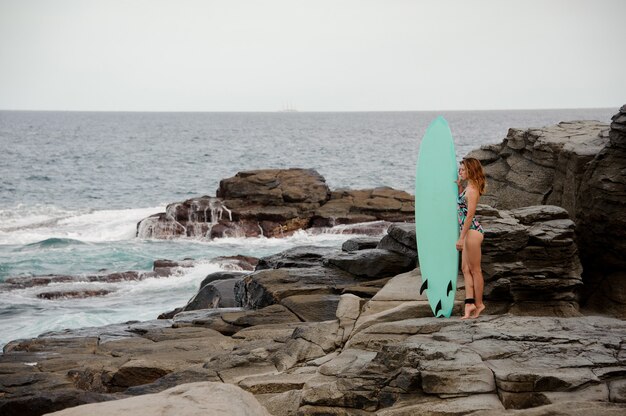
(303, 111)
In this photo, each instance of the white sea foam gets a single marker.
(30, 224)
(130, 300)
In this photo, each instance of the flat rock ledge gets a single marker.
(375, 357)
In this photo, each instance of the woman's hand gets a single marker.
(460, 243)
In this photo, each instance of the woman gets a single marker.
(471, 236)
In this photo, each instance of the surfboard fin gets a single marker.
(424, 286)
(438, 308)
(449, 288)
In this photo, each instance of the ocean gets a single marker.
(73, 186)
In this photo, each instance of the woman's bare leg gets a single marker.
(472, 248)
(469, 285)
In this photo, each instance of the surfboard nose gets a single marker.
(439, 124)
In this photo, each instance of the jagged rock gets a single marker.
(371, 263)
(540, 166)
(360, 243)
(401, 239)
(601, 213)
(353, 206)
(578, 166)
(539, 213)
(267, 287)
(529, 258)
(302, 256)
(308, 343)
(187, 399)
(348, 311)
(404, 234)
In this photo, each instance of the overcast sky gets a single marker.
(318, 55)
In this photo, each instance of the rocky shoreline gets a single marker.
(319, 331)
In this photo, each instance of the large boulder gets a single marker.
(276, 203)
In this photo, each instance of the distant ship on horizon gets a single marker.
(289, 108)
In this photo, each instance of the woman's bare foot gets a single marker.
(477, 310)
(469, 310)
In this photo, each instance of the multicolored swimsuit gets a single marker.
(462, 214)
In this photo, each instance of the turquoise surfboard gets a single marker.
(436, 222)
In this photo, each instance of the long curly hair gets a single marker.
(475, 173)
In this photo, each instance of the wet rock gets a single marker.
(164, 267)
(360, 243)
(239, 262)
(73, 294)
(221, 276)
(17, 282)
(217, 294)
(276, 203)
